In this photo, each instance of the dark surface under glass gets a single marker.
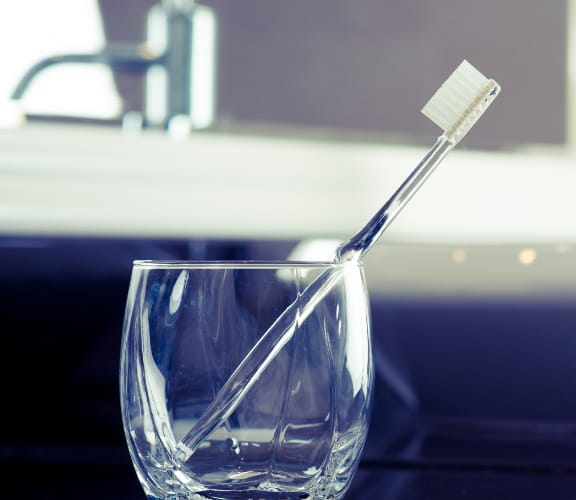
(94, 473)
(61, 309)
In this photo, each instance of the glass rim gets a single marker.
(240, 264)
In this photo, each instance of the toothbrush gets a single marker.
(455, 107)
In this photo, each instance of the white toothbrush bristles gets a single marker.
(460, 101)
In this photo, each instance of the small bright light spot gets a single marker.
(315, 250)
(459, 256)
(527, 256)
(562, 248)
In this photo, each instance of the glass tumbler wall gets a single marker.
(298, 429)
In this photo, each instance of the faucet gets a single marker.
(177, 60)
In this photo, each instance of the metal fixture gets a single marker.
(178, 60)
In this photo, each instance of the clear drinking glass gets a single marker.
(298, 430)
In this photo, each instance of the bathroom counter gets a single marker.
(97, 181)
(111, 475)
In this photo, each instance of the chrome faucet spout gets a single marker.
(134, 58)
(177, 61)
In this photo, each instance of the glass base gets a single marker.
(240, 495)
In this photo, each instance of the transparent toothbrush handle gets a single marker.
(255, 362)
(361, 242)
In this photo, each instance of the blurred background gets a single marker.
(270, 130)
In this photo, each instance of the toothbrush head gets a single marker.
(460, 101)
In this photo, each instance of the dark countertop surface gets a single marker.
(68, 473)
(473, 400)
